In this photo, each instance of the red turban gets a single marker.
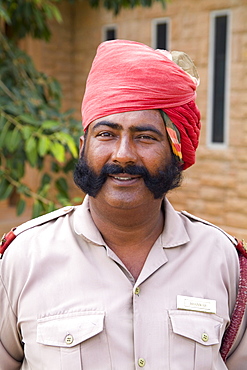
(128, 76)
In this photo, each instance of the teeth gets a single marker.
(122, 178)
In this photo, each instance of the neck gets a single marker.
(125, 228)
(130, 233)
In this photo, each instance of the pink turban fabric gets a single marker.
(128, 76)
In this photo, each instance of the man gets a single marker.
(124, 281)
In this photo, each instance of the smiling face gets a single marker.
(132, 152)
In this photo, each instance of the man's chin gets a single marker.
(124, 198)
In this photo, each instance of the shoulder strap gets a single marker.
(240, 305)
(198, 219)
(12, 234)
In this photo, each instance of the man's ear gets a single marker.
(81, 144)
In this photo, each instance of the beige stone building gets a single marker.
(214, 34)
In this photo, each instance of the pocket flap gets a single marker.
(200, 327)
(70, 329)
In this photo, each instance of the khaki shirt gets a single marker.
(68, 302)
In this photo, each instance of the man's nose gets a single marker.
(124, 151)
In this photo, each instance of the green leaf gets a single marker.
(64, 201)
(43, 146)
(58, 151)
(30, 144)
(31, 151)
(27, 118)
(66, 139)
(50, 125)
(23, 189)
(16, 165)
(27, 131)
(62, 186)
(3, 134)
(2, 121)
(32, 157)
(43, 192)
(46, 179)
(77, 200)
(52, 11)
(5, 189)
(55, 167)
(4, 14)
(14, 140)
(3, 186)
(20, 207)
(72, 147)
(37, 209)
(51, 207)
(69, 166)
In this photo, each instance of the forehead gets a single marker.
(143, 119)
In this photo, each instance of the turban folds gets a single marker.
(129, 76)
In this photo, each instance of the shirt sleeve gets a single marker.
(11, 348)
(237, 359)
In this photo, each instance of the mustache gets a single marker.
(165, 179)
(114, 169)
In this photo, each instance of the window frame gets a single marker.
(211, 69)
(155, 22)
(106, 28)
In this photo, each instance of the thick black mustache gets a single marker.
(159, 184)
(114, 169)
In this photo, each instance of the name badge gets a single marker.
(196, 304)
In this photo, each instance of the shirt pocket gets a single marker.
(194, 340)
(70, 341)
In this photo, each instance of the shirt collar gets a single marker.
(84, 225)
(173, 234)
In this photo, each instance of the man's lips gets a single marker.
(125, 177)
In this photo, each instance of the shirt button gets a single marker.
(141, 362)
(137, 290)
(205, 337)
(69, 339)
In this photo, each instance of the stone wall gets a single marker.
(215, 188)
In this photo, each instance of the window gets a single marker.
(109, 33)
(218, 78)
(160, 33)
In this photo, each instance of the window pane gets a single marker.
(219, 81)
(110, 34)
(161, 36)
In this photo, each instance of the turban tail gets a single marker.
(128, 76)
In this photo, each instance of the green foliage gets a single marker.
(117, 5)
(29, 17)
(33, 130)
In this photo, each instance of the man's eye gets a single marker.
(146, 137)
(105, 134)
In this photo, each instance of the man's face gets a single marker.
(126, 160)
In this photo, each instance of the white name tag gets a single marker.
(196, 304)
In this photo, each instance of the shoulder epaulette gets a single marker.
(12, 234)
(195, 218)
(241, 300)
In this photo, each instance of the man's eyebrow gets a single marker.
(146, 128)
(113, 125)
